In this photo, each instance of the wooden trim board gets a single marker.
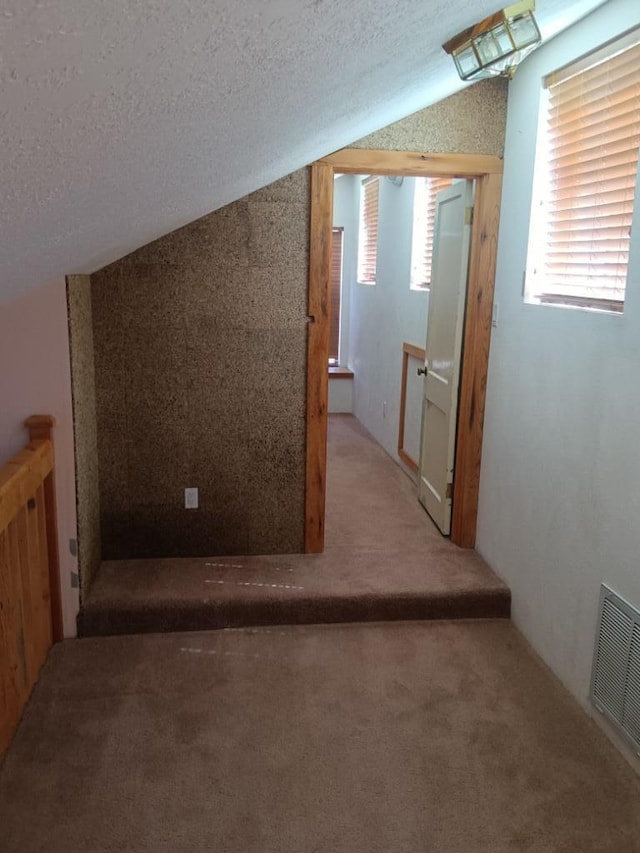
(319, 307)
(487, 171)
(361, 161)
(414, 352)
(475, 359)
(340, 373)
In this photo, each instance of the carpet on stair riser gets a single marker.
(194, 616)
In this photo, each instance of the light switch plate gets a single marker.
(191, 498)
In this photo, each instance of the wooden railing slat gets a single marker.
(12, 698)
(38, 536)
(20, 554)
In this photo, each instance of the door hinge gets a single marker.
(468, 216)
(449, 491)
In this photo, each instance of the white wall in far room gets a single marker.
(340, 396)
(384, 315)
(560, 482)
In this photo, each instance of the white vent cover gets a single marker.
(615, 683)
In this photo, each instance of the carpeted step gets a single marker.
(156, 596)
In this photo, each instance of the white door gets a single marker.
(452, 238)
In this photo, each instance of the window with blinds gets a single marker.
(585, 183)
(424, 218)
(368, 230)
(336, 295)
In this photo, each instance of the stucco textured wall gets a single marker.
(470, 122)
(84, 427)
(200, 365)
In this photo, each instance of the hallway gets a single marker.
(383, 560)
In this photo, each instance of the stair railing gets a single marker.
(30, 605)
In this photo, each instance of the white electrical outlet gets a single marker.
(191, 498)
(384, 410)
(494, 315)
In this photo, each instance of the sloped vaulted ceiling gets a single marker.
(123, 120)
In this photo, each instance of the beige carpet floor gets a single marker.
(391, 738)
(384, 559)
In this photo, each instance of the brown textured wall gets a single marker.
(84, 427)
(200, 358)
(472, 121)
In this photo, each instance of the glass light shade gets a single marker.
(467, 61)
(499, 50)
(504, 67)
(503, 37)
(489, 48)
(524, 30)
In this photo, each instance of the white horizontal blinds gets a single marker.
(424, 218)
(368, 231)
(336, 287)
(593, 136)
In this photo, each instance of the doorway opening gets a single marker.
(383, 259)
(487, 173)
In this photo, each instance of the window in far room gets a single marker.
(585, 180)
(424, 217)
(368, 230)
(336, 295)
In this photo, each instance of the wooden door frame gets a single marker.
(486, 170)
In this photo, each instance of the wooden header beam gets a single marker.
(362, 161)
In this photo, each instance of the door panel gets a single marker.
(452, 238)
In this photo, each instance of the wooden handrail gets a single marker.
(20, 478)
(30, 604)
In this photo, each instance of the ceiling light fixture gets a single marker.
(495, 46)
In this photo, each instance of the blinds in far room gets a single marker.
(424, 218)
(336, 291)
(593, 125)
(368, 231)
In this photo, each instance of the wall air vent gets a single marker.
(615, 682)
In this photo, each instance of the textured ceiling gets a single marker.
(122, 120)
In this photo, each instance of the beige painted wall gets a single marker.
(35, 379)
(200, 361)
(84, 427)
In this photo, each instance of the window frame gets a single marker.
(367, 254)
(336, 289)
(423, 230)
(594, 293)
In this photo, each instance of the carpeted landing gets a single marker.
(448, 737)
(383, 560)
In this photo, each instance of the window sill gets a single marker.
(611, 306)
(594, 306)
(336, 372)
